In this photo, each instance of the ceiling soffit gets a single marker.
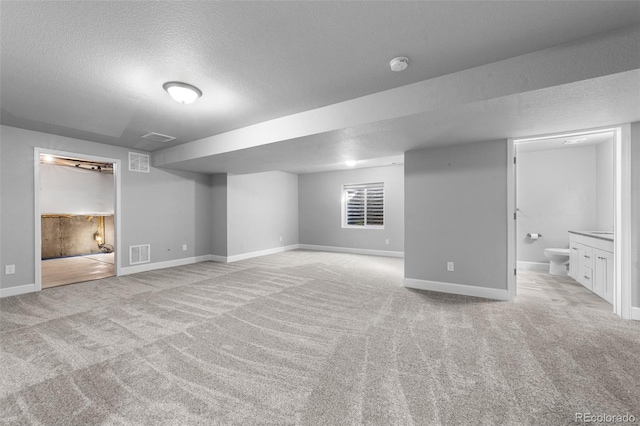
(545, 72)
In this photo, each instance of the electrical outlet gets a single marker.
(450, 266)
(10, 269)
(386, 241)
(280, 239)
(184, 247)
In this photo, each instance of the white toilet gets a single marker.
(558, 260)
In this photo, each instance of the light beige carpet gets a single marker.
(304, 338)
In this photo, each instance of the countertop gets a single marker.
(601, 235)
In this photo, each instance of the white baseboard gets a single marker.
(368, 252)
(17, 290)
(466, 290)
(259, 253)
(161, 265)
(235, 258)
(533, 266)
(635, 313)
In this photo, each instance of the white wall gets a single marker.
(556, 193)
(456, 211)
(262, 207)
(75, 191)
(163, 208)
(570, 188)
(605, 186)
(321, 209)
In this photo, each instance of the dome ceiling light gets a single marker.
(182, 92)
(399, 64)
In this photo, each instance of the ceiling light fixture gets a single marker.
(573, 141)
(399, 64)
(182, 92)
(351, 163)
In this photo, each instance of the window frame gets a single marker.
(345, 187)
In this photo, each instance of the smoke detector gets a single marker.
(399, 64)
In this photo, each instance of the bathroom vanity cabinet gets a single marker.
(591, 261)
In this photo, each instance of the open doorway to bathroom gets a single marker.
(76, 219)
(565, 188)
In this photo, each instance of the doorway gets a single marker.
(76, 218)
(569, 238)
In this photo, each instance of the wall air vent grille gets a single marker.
(158, 137)
(139, 254)
(138, 162)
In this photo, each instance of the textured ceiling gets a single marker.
(94, 70)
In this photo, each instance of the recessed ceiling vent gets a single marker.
(138, 162)
(157, 137)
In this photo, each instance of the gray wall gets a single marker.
(163, 208)
(321, 209)
(556, 193)
(262, 207)
(456, 210)
(605, 186)
(219, 214)
(635, 214)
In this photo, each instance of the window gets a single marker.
(363, 205)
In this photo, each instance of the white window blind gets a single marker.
(363, 205)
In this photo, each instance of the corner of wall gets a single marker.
(220, 205)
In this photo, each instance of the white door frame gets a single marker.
(622, 213)
(117, 203)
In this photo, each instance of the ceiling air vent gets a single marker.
(157, 137)
(138, 162)
(139, 254)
